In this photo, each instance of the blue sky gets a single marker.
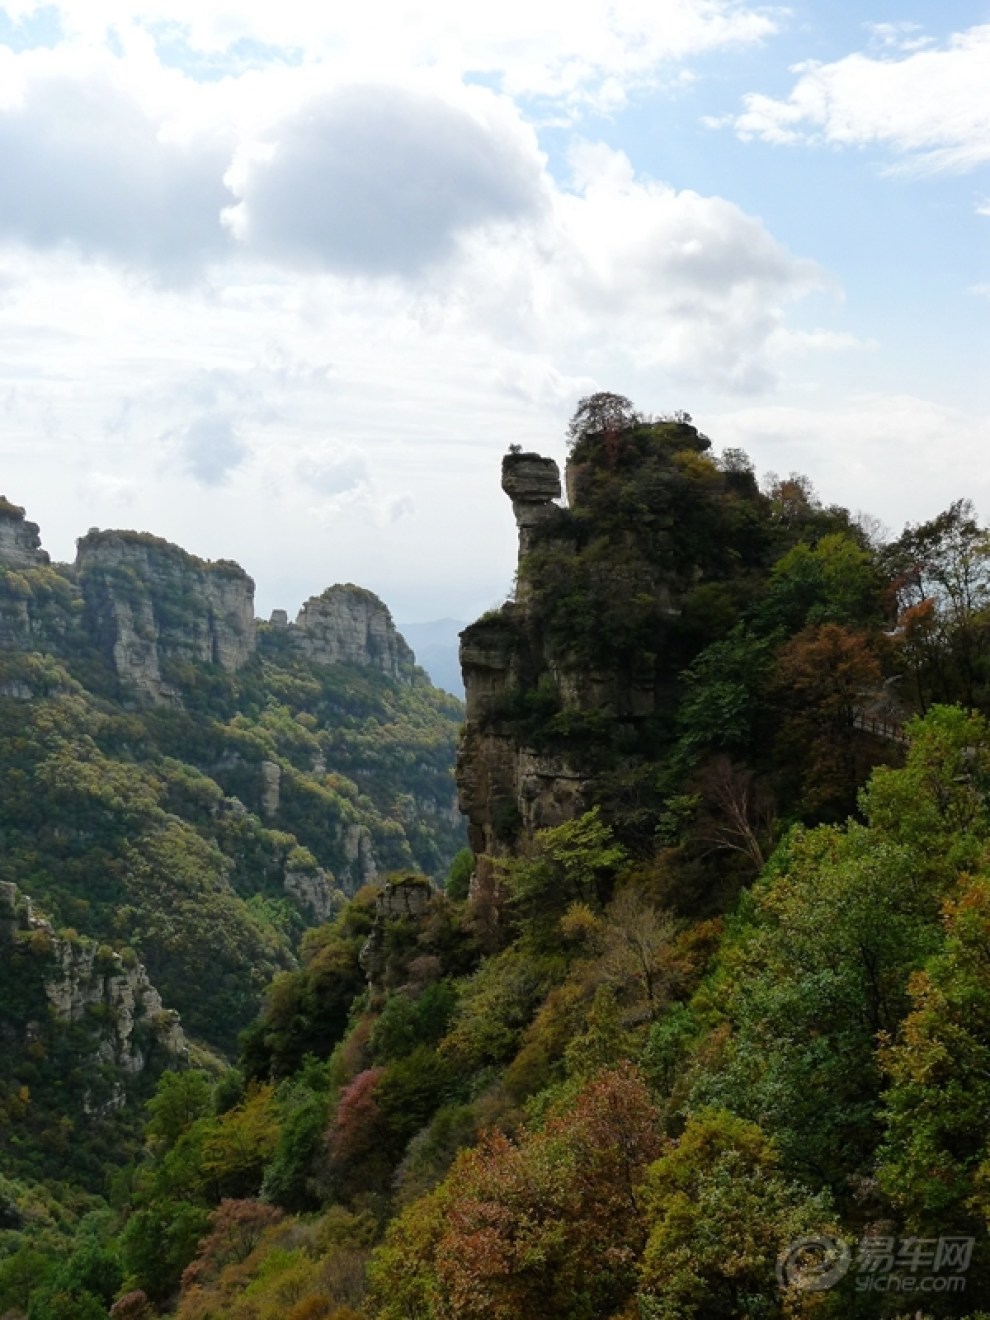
(282, 285)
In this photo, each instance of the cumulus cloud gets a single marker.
(691, 284)
(85, 163)
(382, 179)
(929, 106)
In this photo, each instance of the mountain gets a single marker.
(697, 1028)
(184, 791)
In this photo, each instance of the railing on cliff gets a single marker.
(880, 727)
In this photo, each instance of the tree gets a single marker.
(821, 677)
(601, 414)
(742, 814)
(179, 1100)
(941, 572)
(571, 863)
(719, 1212)
(639, 955)
(817, 970)
(158, 1243)
(236, 1228)
(936, 1151)
(549, 1225)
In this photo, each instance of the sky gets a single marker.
(281, 281)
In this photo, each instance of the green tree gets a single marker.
(157, 1244)
(572, 863)
(180, 1098)
(719, 1212)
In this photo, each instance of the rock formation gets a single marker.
(149, 602)
(562, 678)
(532, 483)
(84, 983)
(506, 789)
(146, 606)
(24, 622)
(314, 893)
(20, 540)
(349, 625)
(404, 898)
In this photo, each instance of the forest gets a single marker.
(717, 1046)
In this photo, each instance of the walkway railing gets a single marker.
(890, 730)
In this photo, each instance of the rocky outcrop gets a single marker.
(404, 898)
(313, 891)
(20, 540)
(149, 602)
(271, 789)
(360, 866)
(17, 626)
(507, 789)
(90, 984)
(349, 625)
(532, 483)
(30, 614)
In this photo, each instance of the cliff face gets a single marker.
(349, 625)
(119, 1012)
(148, 602)
(20, 540)
(144, 603)
(567, 685)
(25, 622)
(507, 789)
(358, 770)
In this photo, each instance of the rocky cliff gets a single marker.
(356, 768)
(147, 606)
(350, 625)
(507, 789)
(20, 540)
(149, 602)
(569, 685)
(120, 1019)
(28, 585)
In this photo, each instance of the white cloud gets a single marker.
(595, 49)
(108, 489)
(381, 180)
(902, 36)
(87, 161)
(627, 265)
(931, 107)
(430, 200)
(335, 473)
